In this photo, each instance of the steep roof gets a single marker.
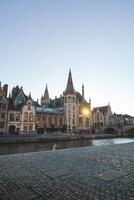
(12, 106)
(70, 87)
(80, 98)
(46, 94)
(101, 109)
(55, 111)
(57, 102)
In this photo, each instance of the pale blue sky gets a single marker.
(41, 39)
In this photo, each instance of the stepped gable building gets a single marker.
(3, 108)
(21, 112)
(101, 116)
(28, 115)
(16, 101)
(77, 111)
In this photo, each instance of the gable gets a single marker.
(20, 98)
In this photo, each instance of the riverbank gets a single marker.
(55, 137)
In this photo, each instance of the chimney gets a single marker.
(5, 89)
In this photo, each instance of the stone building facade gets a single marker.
(101, 116)
(77, 111)
(28, 112)
(3, 109)
(21, 114)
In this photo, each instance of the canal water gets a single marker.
(6, 149)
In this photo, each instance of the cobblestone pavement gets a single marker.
(87, 173)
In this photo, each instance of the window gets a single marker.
(30, 128)
(29, 106)
(31, 117)
(11, 117)
(50, 120)
(3, 107)
(45, 119)
(25, 128)
(2, 124)
(3, 115)
(38, 119)
(55, 121)
(80, 121)
(69, 99)
(17, 117)
(25, 117)
(73, 99)
(60, 121)
(87, 122)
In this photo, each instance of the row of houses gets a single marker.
(19, 113)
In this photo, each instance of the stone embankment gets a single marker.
(54, 137)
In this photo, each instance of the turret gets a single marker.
(45, 99)
(83, 91)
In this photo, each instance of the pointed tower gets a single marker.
(83, 91)
(45, 99)
(46, 94)
(70, 107)
(70, 87)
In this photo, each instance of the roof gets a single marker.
(101, 109)
(55, 111)
(80, 98)
(57, 102)
(11, 106)
(127, 116)
(36, 104)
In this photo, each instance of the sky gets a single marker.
(41, 39)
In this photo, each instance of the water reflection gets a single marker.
(32, 147)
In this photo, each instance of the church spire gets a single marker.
(45, 98)
(70, 87)
(46, 94)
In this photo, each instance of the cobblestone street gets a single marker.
(87, 173)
